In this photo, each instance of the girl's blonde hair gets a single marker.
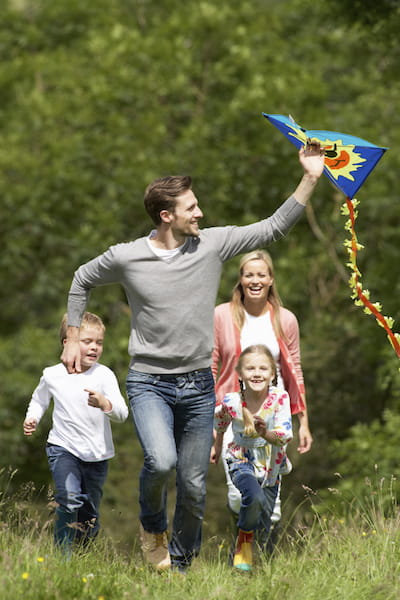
(88, 320)
(248, 420)
(237, 301)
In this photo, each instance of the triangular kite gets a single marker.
(348, 159)
(348, 162)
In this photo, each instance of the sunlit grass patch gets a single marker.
(352, 555)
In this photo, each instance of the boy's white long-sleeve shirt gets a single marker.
(83, 430)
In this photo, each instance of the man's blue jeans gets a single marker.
(257, 502)
(79, 487)
(173, 416)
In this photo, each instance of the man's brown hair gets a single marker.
(162, 193)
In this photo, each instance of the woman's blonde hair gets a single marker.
(248, 420)
(237, 300)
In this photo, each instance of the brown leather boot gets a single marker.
(155, 549)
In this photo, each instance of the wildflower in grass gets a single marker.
(308, 489)
(84, 579)
(40, 559)
(25, 575)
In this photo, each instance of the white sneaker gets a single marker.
(155, 549)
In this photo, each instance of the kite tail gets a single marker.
(360, 296)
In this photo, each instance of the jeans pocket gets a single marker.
(234, 470)
(53, 452)
(137, 382)
(134, 377)
(204, 382)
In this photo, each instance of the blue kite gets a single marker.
(348, 159)
(348, 162)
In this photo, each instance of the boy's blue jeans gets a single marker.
(173, 416)
(257, 502)
(79, 486)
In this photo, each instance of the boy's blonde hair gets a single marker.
(88, 320)
(248, 420)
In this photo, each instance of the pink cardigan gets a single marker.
(227, 350)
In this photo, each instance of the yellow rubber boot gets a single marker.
(243, 557)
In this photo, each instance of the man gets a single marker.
(171, 281)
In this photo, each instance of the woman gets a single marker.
(255, 315)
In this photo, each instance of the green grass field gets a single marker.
(352, 558)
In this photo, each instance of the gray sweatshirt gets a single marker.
(172, 303)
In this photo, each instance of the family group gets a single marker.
(204, 382)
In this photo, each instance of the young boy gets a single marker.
(80, 442)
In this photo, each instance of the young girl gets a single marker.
(262, 425)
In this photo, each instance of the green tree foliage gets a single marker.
(99, 98)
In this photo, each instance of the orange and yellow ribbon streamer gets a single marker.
(360, 296)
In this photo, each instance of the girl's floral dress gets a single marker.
(269, 460)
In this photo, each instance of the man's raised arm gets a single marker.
(312, 159)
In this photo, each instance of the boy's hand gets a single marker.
(97, 400)
(29, 426)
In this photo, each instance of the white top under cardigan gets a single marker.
(259, 330)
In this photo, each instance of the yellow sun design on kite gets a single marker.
(340, 159)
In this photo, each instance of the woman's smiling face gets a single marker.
(256, 280)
